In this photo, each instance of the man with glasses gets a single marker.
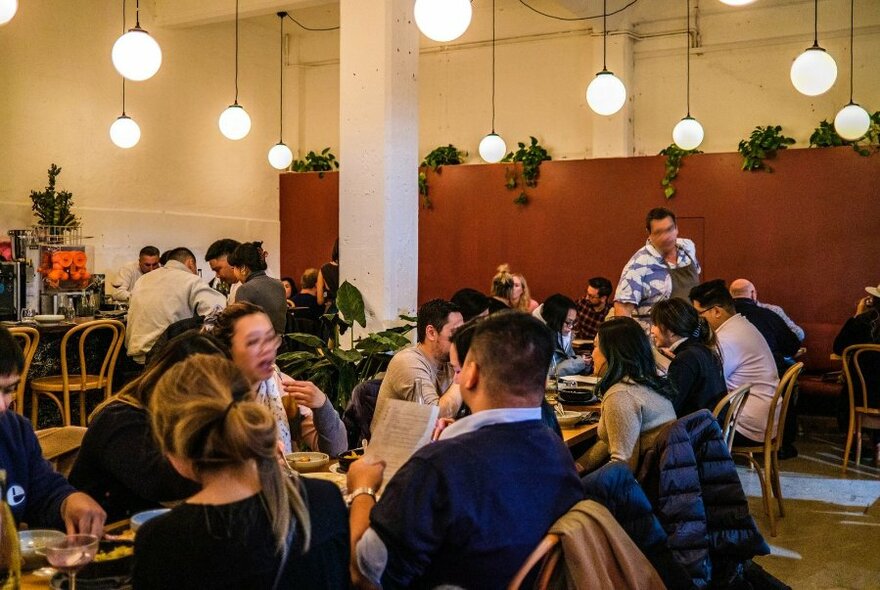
(593, 308)
(664, 268)
(36, 494)
(745, 356)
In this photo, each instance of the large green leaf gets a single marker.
(309, 340)
(351, 304)
(347, 356)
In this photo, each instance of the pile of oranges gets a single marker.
(65, 265)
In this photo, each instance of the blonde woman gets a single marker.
(520, 297)
(501, 289)
(250, 526)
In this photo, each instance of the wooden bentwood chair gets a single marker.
(768, 474)
(734, 402)
(546, 557)
(860, 414)
(30, 339)
(66, 382)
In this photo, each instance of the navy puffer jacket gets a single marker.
(691, 481)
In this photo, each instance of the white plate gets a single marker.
(586, 379)
(48, 319)
(338, 478)
(336, 468)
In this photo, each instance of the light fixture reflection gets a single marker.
(443, 20)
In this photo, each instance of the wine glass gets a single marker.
(71, 553)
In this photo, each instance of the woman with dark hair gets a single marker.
(559, 313)
(308, 416)
(328, 279)
(289, 289)
(249, 264)
(501, 290)
(695, 371)
(636, 403)
(250, 526)
(119, 463)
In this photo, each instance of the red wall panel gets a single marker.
(309, 214)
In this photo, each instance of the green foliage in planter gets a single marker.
(826, 136)
(674, 157)
(522, 199)
(762, 144)
(320, 163)
(531, 157)
(53, 208)
(440, 156)
(337, 370)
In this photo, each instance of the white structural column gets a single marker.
(378, 137)
(613, 136)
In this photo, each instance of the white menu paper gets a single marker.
(402, 429)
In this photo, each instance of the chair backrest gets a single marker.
(852, 359)
(731, 405)
(108, 363)
(60, 446)
(545, 557)
(30, 339)
(781, 399)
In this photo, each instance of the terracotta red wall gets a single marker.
(808, 234)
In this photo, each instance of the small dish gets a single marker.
(568, 419)
(348, 457)
(138, 520)
(307, 462)
(32, 543)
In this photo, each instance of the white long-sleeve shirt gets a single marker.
(125, 279)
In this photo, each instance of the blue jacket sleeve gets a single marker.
(47, 489)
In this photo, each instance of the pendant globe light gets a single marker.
(136, 55)
(852, 121)
(814, 71)
(606, 94)
(280, 155)
(688, 133)
(492, 146)
(737, 2)
(443, 20)
(8, 8)
(234, 122)
(124, 132)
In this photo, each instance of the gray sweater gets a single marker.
(268, 293)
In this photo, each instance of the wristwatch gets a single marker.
(360, 492)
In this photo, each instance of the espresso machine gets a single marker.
(14, 278)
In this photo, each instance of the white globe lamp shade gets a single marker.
(606, 94)
(737, 2)
(124, 132)
(852, 122)
(443, 20)
(280, 156)
(234, 122)
(136, 55)
(8, 9)
(492, 148)
(813, 72)
(688, 134)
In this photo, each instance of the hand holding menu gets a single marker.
(402, 429)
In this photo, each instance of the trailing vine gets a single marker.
(826, 136)
(762, 145)
(530, 157)
(438, 157)
(320, 163)
(674, 157)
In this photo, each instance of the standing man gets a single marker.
(422, 373)
(148, 260)
(666, 267)
(468, 509)
(225, 280)
(592, 308)
(745, 357)
(167, 295)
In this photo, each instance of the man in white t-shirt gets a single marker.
(745, 355)
(127, 276)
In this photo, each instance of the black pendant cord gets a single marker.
(604, 35)
(493, 66)
(123, 77)
(137, 14)
(281, 79)
(815, 23)
(688, 41)
(236, 53)
(852, 25)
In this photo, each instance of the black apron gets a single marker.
(684, 278)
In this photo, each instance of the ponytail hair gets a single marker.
(502, 283)
(203, 411)
(679, 317)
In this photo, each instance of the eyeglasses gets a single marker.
(707, 309)
(569, 323)
(270, 343)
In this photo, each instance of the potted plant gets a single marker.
(53, 208)
(761, 145)
(320, 163)
(437, 158)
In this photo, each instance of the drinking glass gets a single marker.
(71, 553)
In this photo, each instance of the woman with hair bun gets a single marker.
(501, 290)
(250, 526)
(249, 264)
(695, 371)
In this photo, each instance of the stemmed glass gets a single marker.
(71, 553)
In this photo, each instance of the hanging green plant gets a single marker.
(320, 163)
(826, 136)
(53, 208)
(448, 155)
(762, 145)
(530, 157)
(522, 199)
(674, 156)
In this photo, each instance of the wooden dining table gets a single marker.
(578, 434)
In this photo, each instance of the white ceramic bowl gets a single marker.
(33, 541)
(305, 462)
(568, 419)
(48, 319)
(138, 520)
